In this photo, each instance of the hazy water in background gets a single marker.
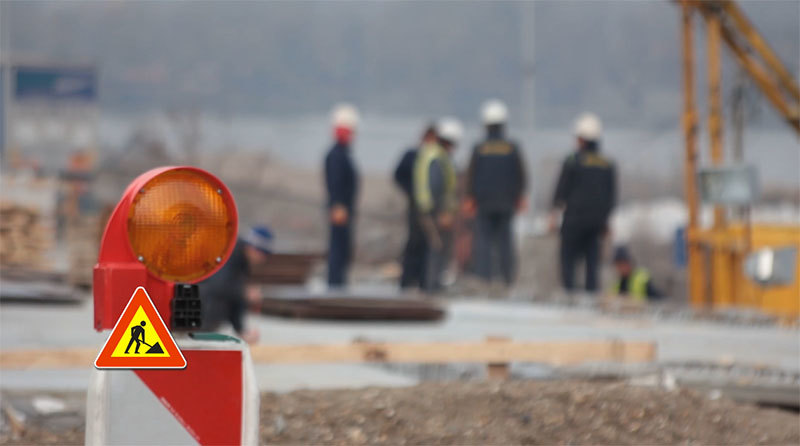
(302, 141)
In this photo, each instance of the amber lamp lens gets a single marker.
(180, 225)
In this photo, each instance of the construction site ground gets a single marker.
(475, 412)
(678, 339)
(454, 403)
(518, 412)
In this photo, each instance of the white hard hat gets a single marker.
(494, 112)
(345, 115)
(588, 127)
(450, 129)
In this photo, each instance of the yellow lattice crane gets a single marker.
(716, 278)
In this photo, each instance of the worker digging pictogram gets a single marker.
(140, 339)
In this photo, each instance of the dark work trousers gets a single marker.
(414, 255)
(238, 310)
(580, 241)
(437, 261)
(339, 253)
(493, 235)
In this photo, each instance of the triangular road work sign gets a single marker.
(140, 339)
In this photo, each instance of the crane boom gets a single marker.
(756, 57)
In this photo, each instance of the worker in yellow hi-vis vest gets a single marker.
(632, 281)
(435, 196)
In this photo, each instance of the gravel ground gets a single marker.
(519, 412)
(479, 412)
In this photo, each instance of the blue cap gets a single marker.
(260, 237)
(621, 254)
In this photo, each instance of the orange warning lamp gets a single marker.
(174, 226)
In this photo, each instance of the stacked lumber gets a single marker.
(25, 238)
(555, 352)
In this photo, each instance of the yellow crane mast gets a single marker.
(716, 253)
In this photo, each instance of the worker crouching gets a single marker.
(632, 280)
(226, 295)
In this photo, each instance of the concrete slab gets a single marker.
(285, 377)
(270, 378)
(26, 327)
(65, 379)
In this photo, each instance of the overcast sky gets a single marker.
(396, 58)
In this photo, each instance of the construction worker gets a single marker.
(495, 189)
(137, 332)
(435, 196)
(633, 281)
(585, 194)
(225, 296)
(341, 180)
(416, 247)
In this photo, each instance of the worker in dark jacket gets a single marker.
(585, 195)
(225, 295)
(632, 280)
(341, 180)
(415, 251)
(495, 188)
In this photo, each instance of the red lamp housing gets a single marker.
(172, 225)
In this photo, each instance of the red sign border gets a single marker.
(176, 360)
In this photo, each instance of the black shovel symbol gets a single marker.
(156, 348)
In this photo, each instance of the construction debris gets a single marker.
(36, 418)
(48, 405)
(740, 382)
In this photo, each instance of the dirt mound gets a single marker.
(463, 413)
(521, 412)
